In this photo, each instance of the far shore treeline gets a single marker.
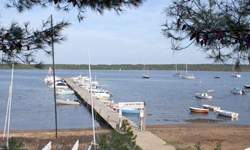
(191, 67)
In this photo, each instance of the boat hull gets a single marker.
(203, 95)
(188, 77)
(198, 110)
(64, 92)
(228, 113)
(145, 77)
(247, 86)
(66, 102)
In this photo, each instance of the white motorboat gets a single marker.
(101, 96)
(59, 85)
(64, 92)
(67, 102)
(238, 90)
(236, 74)
(210, 107)
(203, 95)
(228, 113)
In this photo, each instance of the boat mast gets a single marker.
(186, 67)
(8, 110)
(92, 103)
(53, 59)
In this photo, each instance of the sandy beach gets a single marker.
(181, 136)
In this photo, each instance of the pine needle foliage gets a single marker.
(219, 28)
(122, 138)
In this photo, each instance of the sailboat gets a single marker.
(186, 76)
(176, 74)
(235, 74)
(146, 76)
(202, 95)
(93, 143)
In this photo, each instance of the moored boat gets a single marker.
(203, 95)
(210, 107)
(217, 76)
(64, 92)
(238, 90)
(236, 74)
(187, 76)
(247, 86)
(228, 113)
(198, 110)
(67, 102)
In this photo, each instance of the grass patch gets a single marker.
(178, 145)
(171, 120)
(203, 120)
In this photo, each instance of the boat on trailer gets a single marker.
(210, 107)
(198, 110)
(228, 113)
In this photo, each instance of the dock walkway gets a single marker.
(145, 139)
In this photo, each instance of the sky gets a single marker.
(133, 37)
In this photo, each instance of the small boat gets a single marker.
(124, 110)
(64, 92)
(198, 110)
(203, 95)
(247, 86)
(59, 85)
(177, 74)
(101, 96)
(236, 74)
(145, 76)
(217, 76)
(67, 102)
(228, 113)
(238, 90)
(210, 107)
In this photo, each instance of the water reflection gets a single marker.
(198, 114)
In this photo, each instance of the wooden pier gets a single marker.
(145, 139)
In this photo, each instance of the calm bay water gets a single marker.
(167, 98)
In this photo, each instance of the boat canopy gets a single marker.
(238, 89)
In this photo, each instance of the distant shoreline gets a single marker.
(120, 67)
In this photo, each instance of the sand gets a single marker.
(181, 136)
(186, 136)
